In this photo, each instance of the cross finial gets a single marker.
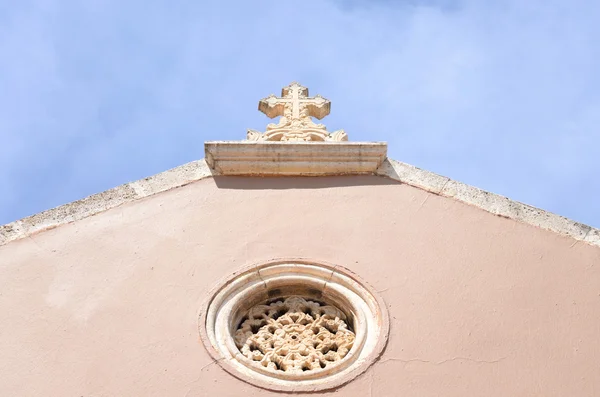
(296, 109)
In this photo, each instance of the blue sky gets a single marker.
(503, 95)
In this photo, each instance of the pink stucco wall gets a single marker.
(479, 305)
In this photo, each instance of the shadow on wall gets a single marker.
(300, 182)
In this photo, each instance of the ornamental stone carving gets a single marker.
(296, 109)
(294, 335)
(294, 325)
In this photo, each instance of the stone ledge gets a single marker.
(294, 158)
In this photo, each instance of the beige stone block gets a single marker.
(294, 158)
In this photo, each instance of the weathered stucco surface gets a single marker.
(480, 305)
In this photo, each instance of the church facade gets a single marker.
(297, 261)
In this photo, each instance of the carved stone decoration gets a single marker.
(294, 325)
(294, 335)
(296, 109)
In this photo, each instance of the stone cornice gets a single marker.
(401, 172)
(294, 158)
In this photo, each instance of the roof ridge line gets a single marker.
(396, 170)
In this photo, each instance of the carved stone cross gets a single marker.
(296, 109)
(295, 101)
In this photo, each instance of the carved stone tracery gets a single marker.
(294, 335)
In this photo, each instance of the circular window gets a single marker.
(294, 326)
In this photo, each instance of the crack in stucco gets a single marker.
(418, 360)
(330, 277)
(209, 364)
(200, 376)
(424, 201)
(444, 186)
(583, 238)
(260, 276)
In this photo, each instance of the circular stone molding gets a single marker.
(294, 325)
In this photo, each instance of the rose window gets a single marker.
(294, 335)
(294, 326)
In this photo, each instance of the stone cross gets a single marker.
(294, 104)
(296, 109)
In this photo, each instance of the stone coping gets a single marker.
(490, 202)
(392, 169)
(294, 158)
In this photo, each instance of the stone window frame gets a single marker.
(222, 312)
